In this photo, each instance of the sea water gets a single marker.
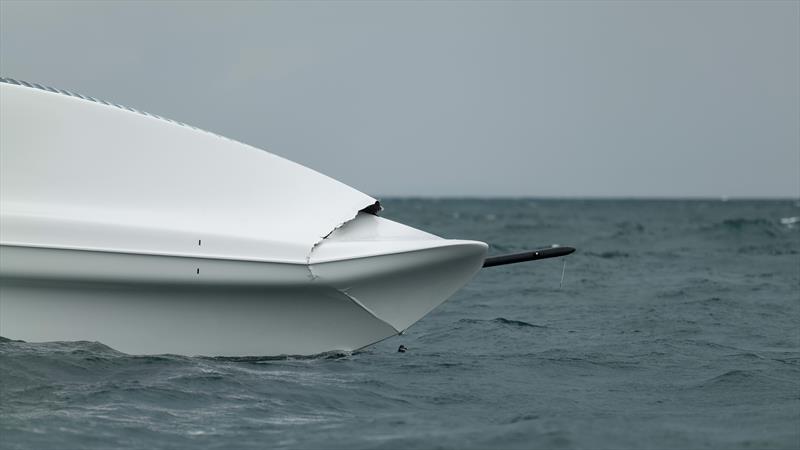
(675, 326)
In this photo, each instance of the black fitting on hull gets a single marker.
(532, 255)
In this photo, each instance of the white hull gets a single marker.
(147, 304)
(154, 237)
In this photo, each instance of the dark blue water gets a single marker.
(677, 326)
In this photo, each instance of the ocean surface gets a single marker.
(676, 326)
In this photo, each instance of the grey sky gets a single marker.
(525, 99)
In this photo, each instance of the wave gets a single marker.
(790, 222)
(760, 226)
(335, 354)
(737, 378)
(613, 254)
(95, 351)
(502, 321)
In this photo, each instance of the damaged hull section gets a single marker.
(155, 237)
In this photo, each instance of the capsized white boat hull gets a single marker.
(153, 237)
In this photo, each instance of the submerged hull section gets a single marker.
(155, 237)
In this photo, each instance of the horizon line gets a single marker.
(721, 198)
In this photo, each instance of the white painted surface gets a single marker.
(70, 168)
(156, 237)
(150, 304)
